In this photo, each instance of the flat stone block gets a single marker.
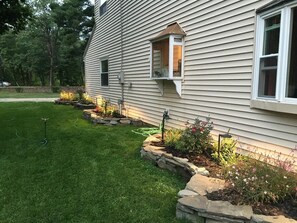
(207, 220)
(186, 193)
(226, 209)
(203, 185)
(191, 217)
(196, 203)
(271, 219)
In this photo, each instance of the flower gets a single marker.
(194, 129)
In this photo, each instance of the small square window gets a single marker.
(104, 73)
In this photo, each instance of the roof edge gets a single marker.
(89, 41)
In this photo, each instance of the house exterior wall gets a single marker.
(218, 68)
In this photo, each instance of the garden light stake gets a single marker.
(44, 141)
(165, 117)
(226, 135)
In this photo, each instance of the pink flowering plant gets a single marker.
(261, 182)
(195, 138)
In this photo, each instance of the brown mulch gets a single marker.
(288, 208)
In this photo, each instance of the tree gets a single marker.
(13, 15)
(49, 50)
(75, 21)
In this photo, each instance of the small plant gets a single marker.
(116, 114)
(98, 109)
(80, 94)
(86, 99)
(172, 136)
(261, 182)
(67, 96)
(196, 137)
(228, 154)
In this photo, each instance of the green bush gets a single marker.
(19, 90)
(228, 154)
(196, 137)
(80, 93)
(258, 181)
(172, 136)
(56, 89)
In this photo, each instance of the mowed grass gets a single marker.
(85, 173)
(4, 94)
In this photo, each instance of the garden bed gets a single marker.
(96, 118)
(214, 205)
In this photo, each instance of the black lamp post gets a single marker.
(226, 135)
(44, 141)
(165, 117)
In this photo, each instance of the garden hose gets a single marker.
(147, 131)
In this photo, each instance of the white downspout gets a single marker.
(122, 56)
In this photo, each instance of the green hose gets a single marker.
(147, 131)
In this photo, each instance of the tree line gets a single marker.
(42, 41)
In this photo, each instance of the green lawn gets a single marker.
(27, 95)
(85, 173)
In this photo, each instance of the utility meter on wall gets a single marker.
(121, 77)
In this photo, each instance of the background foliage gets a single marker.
(49, 50)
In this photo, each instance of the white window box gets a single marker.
(167, 56)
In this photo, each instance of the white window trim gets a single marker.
(282, 69)
(101, 60)
(170, 65)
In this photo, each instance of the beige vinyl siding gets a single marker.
(218, 69)
(105, 44)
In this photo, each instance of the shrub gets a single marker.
(80, 93)
(172, 136)
(258, 181)
(19, 90)
(56, 89)
(228, 154)
(86, 99)
(67, 96)
(196, 137)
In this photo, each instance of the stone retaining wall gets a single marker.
(193, 204)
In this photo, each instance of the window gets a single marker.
(161, 58)
(103, 7)
(104, 72)
(275, 71)
(167, 58)
(167, 53)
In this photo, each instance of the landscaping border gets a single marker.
(193, 204)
